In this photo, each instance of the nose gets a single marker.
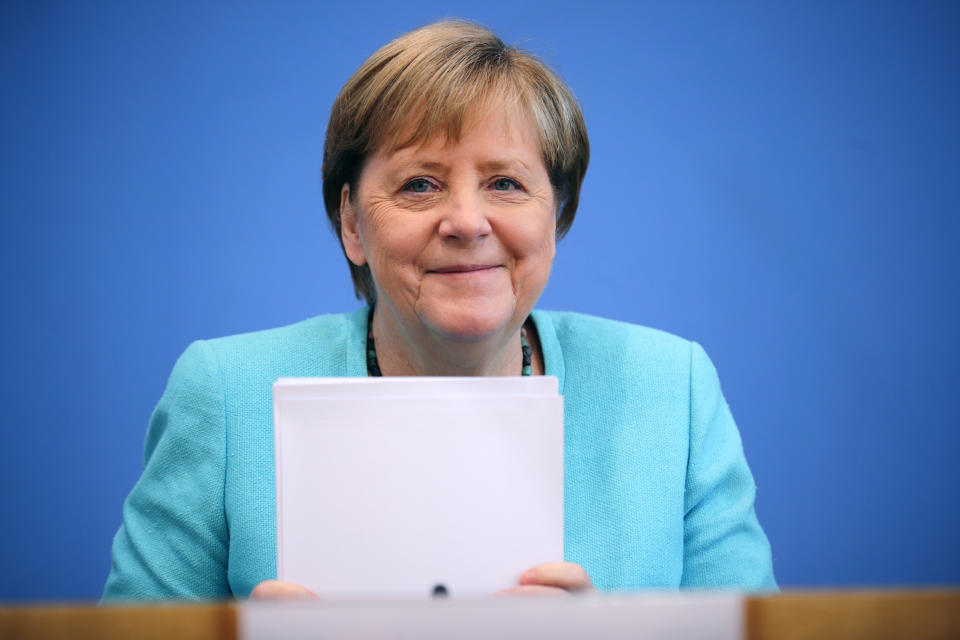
(465, 218)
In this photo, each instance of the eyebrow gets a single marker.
(493, 166)
(427, 165)
(489, 166)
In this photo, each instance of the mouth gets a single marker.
(464, 269)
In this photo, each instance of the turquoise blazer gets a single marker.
(657, 490)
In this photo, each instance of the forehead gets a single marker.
(499, 129)
(448, 113)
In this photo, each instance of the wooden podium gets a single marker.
(824, 615)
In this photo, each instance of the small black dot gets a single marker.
(439, 591)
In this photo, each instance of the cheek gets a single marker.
(393, 241)
(538, 235)
(534, 245)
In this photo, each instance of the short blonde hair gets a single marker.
(428, 81)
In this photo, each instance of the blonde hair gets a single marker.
(428, 81)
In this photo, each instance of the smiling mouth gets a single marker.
(464, 268)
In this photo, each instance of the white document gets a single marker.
(401, 486)
(652, 616)
(417, 386)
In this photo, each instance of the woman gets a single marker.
(452, 164)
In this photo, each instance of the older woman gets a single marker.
(452, 165)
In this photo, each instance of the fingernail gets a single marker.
(527, 576)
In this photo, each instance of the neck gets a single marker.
(422, 353)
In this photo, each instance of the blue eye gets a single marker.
(505, 184)
(417, 185)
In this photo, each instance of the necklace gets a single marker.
(373, 366)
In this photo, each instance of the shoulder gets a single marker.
(321, 329)
(583, 334)
(318, 346)
(609, 358)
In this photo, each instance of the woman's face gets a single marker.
(459, 236)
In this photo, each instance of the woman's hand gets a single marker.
(552, 578)
(276, 590)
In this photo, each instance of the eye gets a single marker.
(418, 185)
(505, 184)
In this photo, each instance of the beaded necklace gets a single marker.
(373, 366)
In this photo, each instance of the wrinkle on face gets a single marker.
(400, 231)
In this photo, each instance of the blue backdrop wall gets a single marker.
(778, 181)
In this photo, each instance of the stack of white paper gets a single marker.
(652, 616)
(398, 486)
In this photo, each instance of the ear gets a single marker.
(350, 229)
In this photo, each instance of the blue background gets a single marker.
(777, 180)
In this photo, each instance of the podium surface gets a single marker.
(916, 614)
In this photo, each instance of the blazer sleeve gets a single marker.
(173, 542)
(724, 545)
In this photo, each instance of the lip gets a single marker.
(456, 269)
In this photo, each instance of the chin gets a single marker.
(467, 321)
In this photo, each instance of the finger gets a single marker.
(533, 590)
(565, 575)
(277, 590)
